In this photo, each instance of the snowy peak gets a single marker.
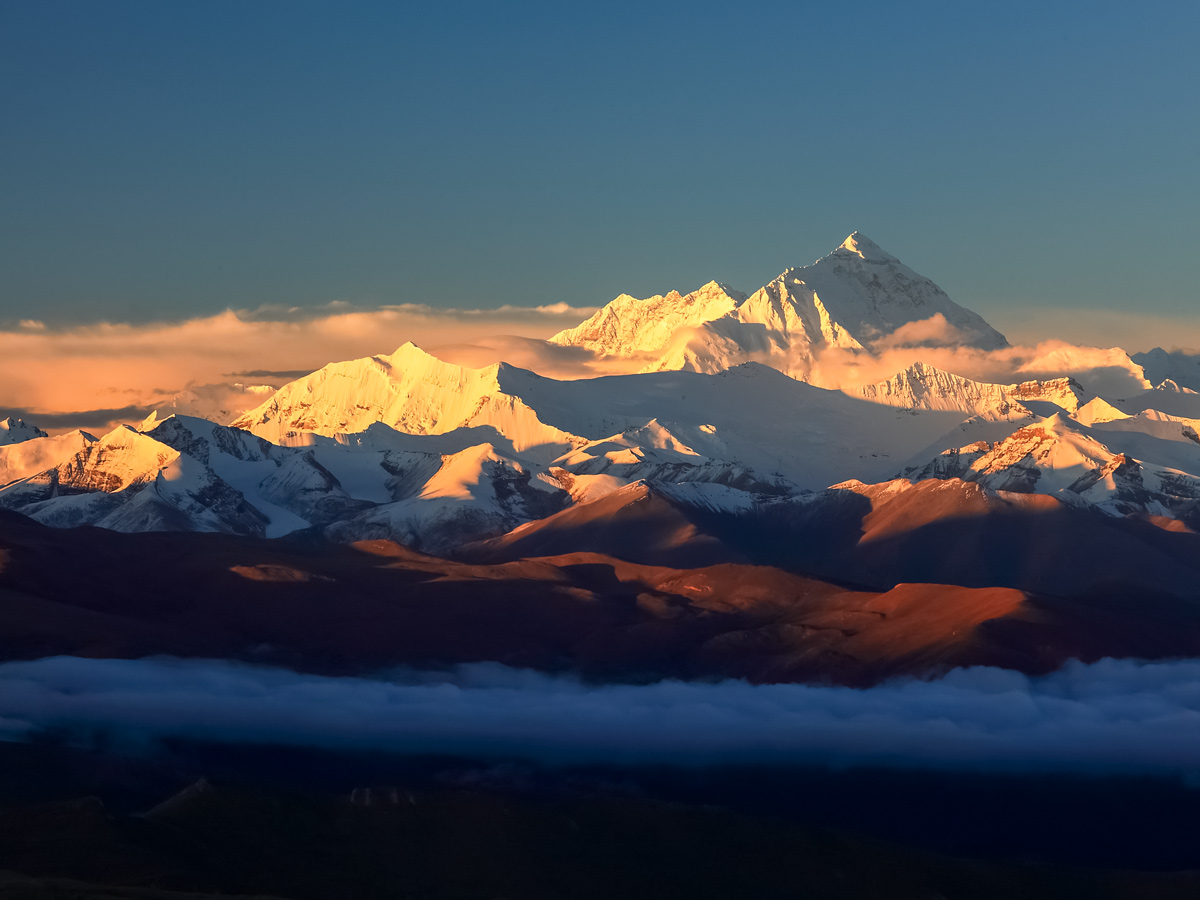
(1084, 466)
(409, 354)
(865, 249)
(857, 298)
(15, 431)
(872, 296)
(922, 386)
(27, 458)
(203, 439)
(628, 326)
(1065, 393)
(410, 391)
(121, 458)
(1099, 411)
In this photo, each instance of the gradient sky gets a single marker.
(168, 160)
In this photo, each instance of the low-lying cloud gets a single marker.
(98, 419)
(108, 366)
(1110, 716)
(1107, 371)
(91, 374)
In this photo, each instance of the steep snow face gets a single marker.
(1120, 467)
(858, 295)
(129, 481)
(205, 440)
(121, 458)
(21, 460)
(955, 462)
(16, 431)
(476, 493)
(628, 326)
(854, 298)
(289, 487)
(1044, 458)
(412, 392)
(186, 495)
(1098, 411)
(923, 386)
(1064, 393)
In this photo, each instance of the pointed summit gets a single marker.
(409, 351)
(16, 431)
(865, 249)
(851, 299)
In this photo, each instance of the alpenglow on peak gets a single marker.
(849, 300)
(865, 248)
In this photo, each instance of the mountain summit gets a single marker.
(855, 298)
(15, 431)
(865, 249)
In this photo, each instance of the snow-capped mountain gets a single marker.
(410, 447)
(189, 474)
(28, 457)
(628, 326)
(411, 391)
(501, 446)
(922, 386)
(1118, 467)
(751, 416)
(471, 453)
(855, 298)
(129, 481)
(14, 431)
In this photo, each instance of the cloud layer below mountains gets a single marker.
(117, 366)
(1110, 716)
(97, 375)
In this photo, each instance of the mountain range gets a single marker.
(728, 445)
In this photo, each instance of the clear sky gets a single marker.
(162, 161)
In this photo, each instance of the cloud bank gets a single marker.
(1110, 716)
(114, 366)
(1108, 371)
(98, 375)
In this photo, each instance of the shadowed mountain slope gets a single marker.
(357, 609)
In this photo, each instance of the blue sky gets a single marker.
(169, 160)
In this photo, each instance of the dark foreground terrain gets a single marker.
(634, 593)
(271, 823)
(354, 609)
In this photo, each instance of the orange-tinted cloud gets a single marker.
(117, 365)
(81, 374)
